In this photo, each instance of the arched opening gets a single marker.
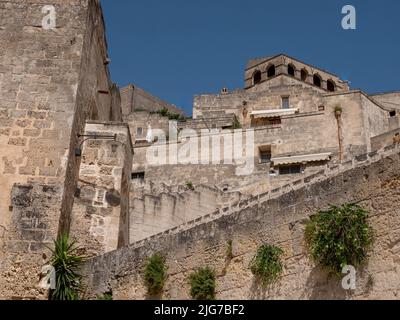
(304, 75)
(317, 80)
(330, 85)
(291, 70)
(256, 77)
(271, 71)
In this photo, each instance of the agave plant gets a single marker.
(66, 262)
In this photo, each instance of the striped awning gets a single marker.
(301, 158)
(273, 113)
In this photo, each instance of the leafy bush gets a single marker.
(202, 284)
(339, 236)
(189, 185)
(266, 264)
(155, 274)
(106, 296)
(66, 262)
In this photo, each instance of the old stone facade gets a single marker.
(74, 159)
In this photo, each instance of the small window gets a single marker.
(291, 70)
(265, 156)
(139, 131)
(271, 71)
(317, 80)
(321, 108)
(392, 113)
(290, 169)
(138, 175)
(257, 77)
(330, 85)
(285, 103)
(304, 75)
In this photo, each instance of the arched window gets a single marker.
(304, 75)
(271, 71)
(291, 70)
(256, 77)
(330, 85)
(317, 80)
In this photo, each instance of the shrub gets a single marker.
(106, 296)
(155, 274)
(339, 236)
(266, 264)
(202, 284)
(189, 185)
(66, 262)
(237, 124)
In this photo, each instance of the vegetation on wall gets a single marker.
(106, 296)
(202, 284)
(189, 185)
(229, 250)
(66, 262)
(155, 274)
(164, 112)
(237, 124)
(266, 265)
(339, 236)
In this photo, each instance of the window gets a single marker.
(304, 75)
(321, 108)
(139, 131)
(285, 103)
(271, 71)
(138, 175)
(330, 85)
(291, 70)
(256, 77)
(317, 80)
(290, 169)
(392, 113)
(265, 155)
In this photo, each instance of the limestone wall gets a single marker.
(277, 218)
(101, 206)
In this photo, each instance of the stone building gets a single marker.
(74, 150)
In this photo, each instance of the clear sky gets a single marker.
(178, 48)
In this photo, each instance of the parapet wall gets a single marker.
(278, 218)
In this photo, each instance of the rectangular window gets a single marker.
(139, 131)
(265, 154)
(392, 113)
(285, 103)
(290, 169)
(138, 176)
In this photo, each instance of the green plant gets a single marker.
(237, 124)
(155, 273)
(266, 264)
(202, 284)
(189, 185)
(106, 296)
(66, 262)
(338, 109)
(339, 236)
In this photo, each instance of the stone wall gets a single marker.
(51, 82)
(101, 206)
(372, 181)
(136, 99)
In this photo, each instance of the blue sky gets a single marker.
(178, 48)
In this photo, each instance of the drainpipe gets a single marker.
(338, 115)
